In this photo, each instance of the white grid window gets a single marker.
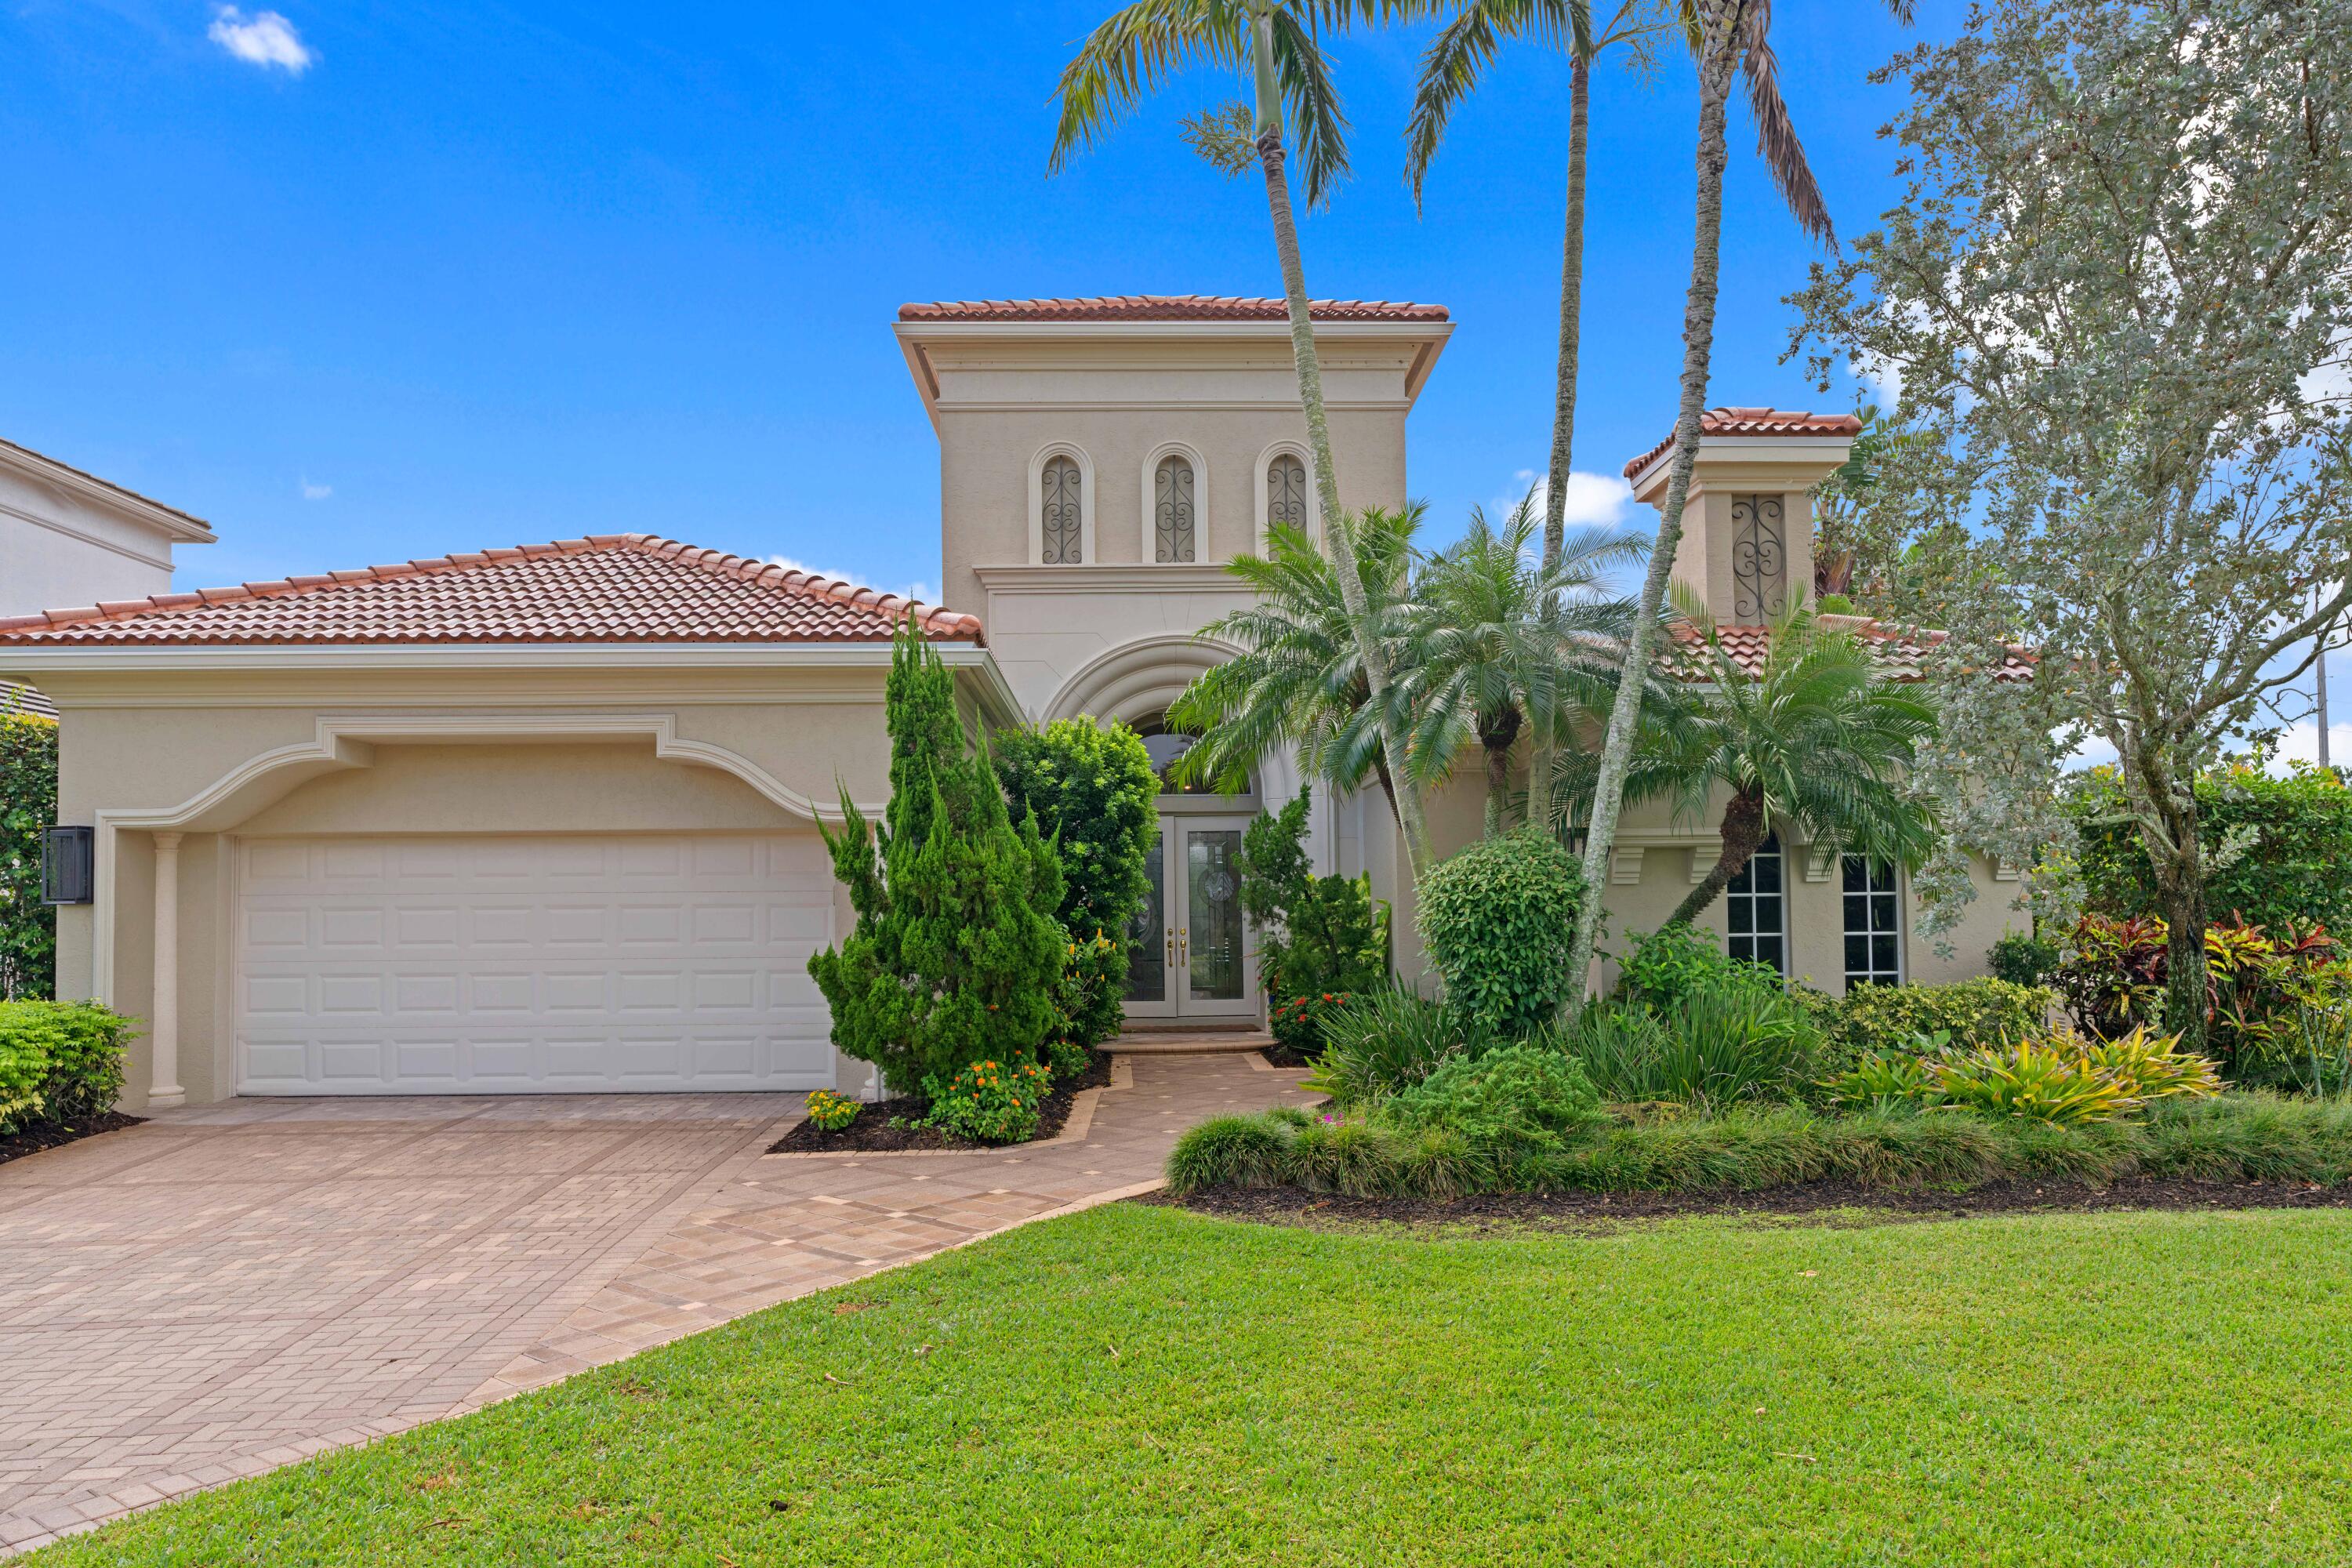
(1873, 922)
(1758, 910)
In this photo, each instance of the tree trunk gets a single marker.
(1744, 828)
(1563, 408)
(1724, 21)
(2180, 890)
(1337, 544)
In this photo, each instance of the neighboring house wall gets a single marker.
(69, 539)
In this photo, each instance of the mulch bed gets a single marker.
(872, 1133)
(49, 1135)
(1284, 1056)
(1589, 1211)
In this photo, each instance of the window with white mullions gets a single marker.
(1873, 922)
(1757, 909)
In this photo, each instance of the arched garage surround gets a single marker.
(667, 953)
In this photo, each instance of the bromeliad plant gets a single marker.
(2064, 1078)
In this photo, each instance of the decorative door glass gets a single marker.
(1216, 958)
(1147, 934)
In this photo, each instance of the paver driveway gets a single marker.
(228, 1289)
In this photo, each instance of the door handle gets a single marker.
(1171, 944)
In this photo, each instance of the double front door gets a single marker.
(1188, 954)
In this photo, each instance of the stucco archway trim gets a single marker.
(340, 744)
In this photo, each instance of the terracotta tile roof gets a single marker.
(1901, 653)
(610, 587)
(1754, 422)
(16, 698)
(1165, 307)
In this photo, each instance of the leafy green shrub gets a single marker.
(1096, 801)
(1087, 998)
(1664, 965)
(1974, 1014)
(1317, 936)
(956, 951)
(60, 1062)
(831, 1112)
(1497, 917)
(990, 1103)
(1386, 1040)
(2294, 836)
(1521, 1094)
(2020, 957)
(28, 806)
(1302, 1023)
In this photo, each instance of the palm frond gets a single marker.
(1130, 54)
(1311, 101)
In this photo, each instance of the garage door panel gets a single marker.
(413, 967)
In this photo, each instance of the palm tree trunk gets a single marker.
(1744, 828)
(1337, 544)
(1563, 409)
(1724, 21)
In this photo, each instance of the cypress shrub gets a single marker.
(956, 952)
(29, 805)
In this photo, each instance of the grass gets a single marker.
(1145, 1385)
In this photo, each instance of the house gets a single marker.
(545, 818)
(71, 538)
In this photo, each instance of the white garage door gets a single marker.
(530, 964)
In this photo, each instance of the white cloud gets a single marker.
(265, 39)
(315, 492)
(1884, 377)
(2300, 743)
(1593, 501)
(921, 590)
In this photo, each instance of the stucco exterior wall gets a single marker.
(151, 743)
(61, 550)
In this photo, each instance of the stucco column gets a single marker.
(163, 1009)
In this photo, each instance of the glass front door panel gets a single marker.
(1215, 958)
(1147, 943)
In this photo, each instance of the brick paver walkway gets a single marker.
(225, 1290)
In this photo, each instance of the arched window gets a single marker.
(1164, 745)
(1062, 515)
(1173, 512)
(1287, 500)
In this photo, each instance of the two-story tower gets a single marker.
(1100, 461)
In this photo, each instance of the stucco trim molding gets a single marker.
(1136, 680)
(340, 744)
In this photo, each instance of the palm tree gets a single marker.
(1125, 57)
(1299, 679)
(1499, 646)
(1727, 36)
(1819, 739)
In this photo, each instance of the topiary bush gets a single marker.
(60, 1062)
(1497, 917)
(1096, 801)
(28, 806)
(2023, 959)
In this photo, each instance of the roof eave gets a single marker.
(175, 524)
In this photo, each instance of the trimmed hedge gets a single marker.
(60, 1062)
(1497, 917)
(2295, 836)
(29, 805)
(2235, 1137)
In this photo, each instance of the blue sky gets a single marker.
(368, 282)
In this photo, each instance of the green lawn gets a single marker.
(1149, 1386)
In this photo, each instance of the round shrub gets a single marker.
(1496, 918)
(1523, 1094)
